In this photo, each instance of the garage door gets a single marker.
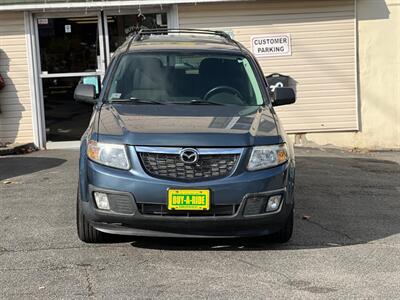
(322, 63)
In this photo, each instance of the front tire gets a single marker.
(86, 232)
(284, 235)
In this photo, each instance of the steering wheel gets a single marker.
(220, 89)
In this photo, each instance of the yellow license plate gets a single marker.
(188, 199)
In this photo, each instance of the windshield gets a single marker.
(191, 78)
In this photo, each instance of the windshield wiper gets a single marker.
(202, 102)
(134, 100)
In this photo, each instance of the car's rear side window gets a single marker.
(184, 77)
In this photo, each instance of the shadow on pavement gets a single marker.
(16, 166)
(339, 201)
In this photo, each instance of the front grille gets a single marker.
(169, 166)
(161, 210)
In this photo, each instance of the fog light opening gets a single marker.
(101, 200)
(273, 204)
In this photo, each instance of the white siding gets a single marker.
(15, 102)
(322, 63)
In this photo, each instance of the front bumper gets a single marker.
(141, 188)
(236, 225)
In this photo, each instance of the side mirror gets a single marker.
(283, 96)
(85, 93)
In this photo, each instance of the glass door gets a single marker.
(71, 52)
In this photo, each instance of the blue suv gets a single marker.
(184, 142)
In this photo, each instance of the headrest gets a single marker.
(149, 63)
(218, 65)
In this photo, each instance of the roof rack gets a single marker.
(147, 32)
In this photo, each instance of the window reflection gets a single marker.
(120, 27)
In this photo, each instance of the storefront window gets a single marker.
(120, 27)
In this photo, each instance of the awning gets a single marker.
(8, 5)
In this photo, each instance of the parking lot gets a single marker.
(346, 242)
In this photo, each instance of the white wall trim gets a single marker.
(39, 113)
(99, 4)
(173, 16)
(357, 67)
(30, 78)
(34, 80)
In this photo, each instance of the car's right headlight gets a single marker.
(112, 155)
(263, 157)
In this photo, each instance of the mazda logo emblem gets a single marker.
(189, 155)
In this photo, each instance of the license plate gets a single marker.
(188, 199)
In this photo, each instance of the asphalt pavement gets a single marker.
(346, 242)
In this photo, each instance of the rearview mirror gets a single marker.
(85, 93)
(283, 96)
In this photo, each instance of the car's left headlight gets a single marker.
(263, 157)
(112, 155)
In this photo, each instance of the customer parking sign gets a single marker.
(271, 45)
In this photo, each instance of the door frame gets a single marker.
(32, 33)
(40, 136)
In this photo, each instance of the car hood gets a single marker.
(187, 125)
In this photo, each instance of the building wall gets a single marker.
(323, 61)
(15, 102)
(379, 79)
(378, 44)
